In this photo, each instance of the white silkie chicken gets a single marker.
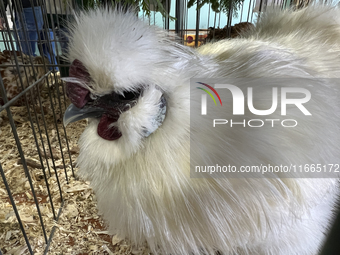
(132, 82)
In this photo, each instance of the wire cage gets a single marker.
(37, 159)
(198, 24)
(34, 146)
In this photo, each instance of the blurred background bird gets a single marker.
(133, 83)
(26, 73)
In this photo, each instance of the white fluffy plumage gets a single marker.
(143, 184)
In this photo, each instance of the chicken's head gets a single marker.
(122, 77)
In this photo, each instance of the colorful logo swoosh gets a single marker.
(208, 92)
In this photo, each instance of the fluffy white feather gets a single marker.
(143, 185)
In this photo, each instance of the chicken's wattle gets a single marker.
(107, 129)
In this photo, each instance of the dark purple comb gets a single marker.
(78, 95)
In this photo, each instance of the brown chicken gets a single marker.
(18, 77)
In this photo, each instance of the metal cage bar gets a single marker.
(29, 75)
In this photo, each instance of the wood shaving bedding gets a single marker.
(79, 230)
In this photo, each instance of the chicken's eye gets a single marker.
(129, 95)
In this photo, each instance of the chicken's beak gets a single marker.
(73, 114)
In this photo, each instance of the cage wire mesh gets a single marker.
(36, 156)
(35, 160)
